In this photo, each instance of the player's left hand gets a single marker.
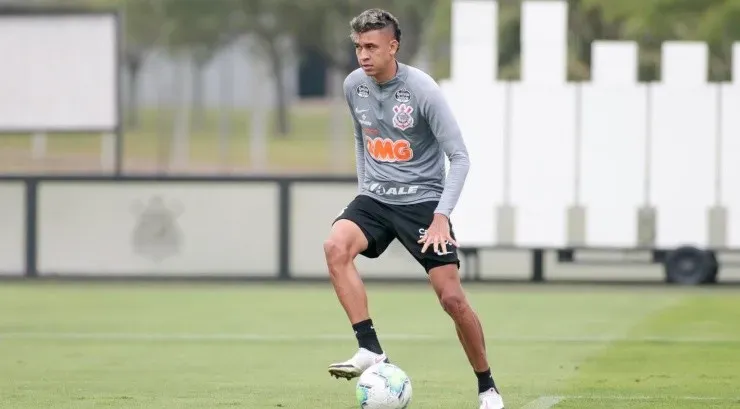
(438, 235)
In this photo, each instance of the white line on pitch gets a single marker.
(108, 336)
(143, 336)
(543, 402)
(548, 402)
(643, 398)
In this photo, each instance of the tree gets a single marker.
(651, 22)
(324, 27)
(321, 25)
(584, 26)
(145, 27)
(200, 29)
(269, 22)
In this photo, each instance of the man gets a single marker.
(403, 129)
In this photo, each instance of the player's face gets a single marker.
(376, 51)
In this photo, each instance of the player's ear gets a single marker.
(394, 47)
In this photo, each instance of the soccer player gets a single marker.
(403, 130)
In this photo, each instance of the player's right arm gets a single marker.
(359, 145)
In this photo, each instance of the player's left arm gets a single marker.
(444, 126)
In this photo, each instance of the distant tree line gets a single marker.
(648, 22)
(199, 28)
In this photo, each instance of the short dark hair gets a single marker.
(375, 19)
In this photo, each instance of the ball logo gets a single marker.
(388, 150)
(363, 91)
(402, 95)
(402, 118)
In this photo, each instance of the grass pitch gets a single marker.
(158, 346)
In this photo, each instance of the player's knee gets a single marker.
(453, 303)
(337, 252)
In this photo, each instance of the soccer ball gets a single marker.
(384, 386)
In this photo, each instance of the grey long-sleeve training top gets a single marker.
(403, 129)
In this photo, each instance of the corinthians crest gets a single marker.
(157, 234)
(402, 118)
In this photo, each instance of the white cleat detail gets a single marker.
(356, 365)
(491, 399)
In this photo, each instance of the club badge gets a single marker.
(402, 118)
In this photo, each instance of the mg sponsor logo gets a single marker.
(388, 150)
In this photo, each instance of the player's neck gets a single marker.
(382, 78)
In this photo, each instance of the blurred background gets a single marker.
(250, 86)
(225, 90)
(235, 152)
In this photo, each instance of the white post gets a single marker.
(38, 146)
(107, 150)
(181, 136)
(258, 133)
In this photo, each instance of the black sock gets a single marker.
(485, 381)
(366, 336)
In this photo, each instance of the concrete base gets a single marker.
(506, 229)
(577, 226)
(646, 226)
(717, 233)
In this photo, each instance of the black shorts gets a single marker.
(382, 223)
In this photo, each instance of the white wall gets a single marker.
(145, 228)
(609, 146)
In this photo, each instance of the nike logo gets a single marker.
(359, 111)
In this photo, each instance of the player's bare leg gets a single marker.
(465, 344)
(345, 242)
(446, 282)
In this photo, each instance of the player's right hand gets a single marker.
(438, 235)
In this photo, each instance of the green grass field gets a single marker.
(74, 345)
(306, 148)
